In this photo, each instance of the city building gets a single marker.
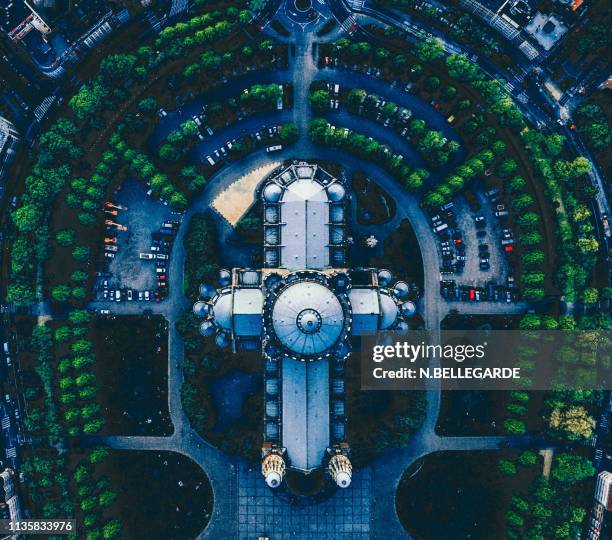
(302, 310)
(599, 521)
(9, 139)
(10, 506)
(547, 30)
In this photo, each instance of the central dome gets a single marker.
(307, 318)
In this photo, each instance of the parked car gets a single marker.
(161, 256)
(109, 255)
(129, 295)
(274, 148)
(146, 256)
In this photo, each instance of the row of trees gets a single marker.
(57, 152)
(141, 166)
(94, 496)
(213, 64)
(77, 386)
(324, 133)
(201, 253)
(435, 147)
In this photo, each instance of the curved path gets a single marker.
(227, 473)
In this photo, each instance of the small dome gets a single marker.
(336, 192)
(336, 235)
(336, 213)
(225, 277)
(384, 277)
(200, 309)
(343, 479)
(273, 479)
(222, 310)
(207, 291)
(402, 327)
(338, 386)
(401, 289)
(272, 409)
(408, 309)
(222, 340)
(271, 430)
(272, 192)
(207, 328)
(272, 387)
(271, 214)
(271, 235)
(389, 311)
(271, 258)
(338, 408)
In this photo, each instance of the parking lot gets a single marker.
(474, 242)
(125, 270)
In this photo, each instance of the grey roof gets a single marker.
(222, 309)
(305, 232)
(366, 310)
(307, 318)
(305, 404)
(247, 312)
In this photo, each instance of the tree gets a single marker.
(63, 333)
(148, 105)
(107, 497)
(590, 295)
(61, 293)
(80, 253)
(79, 316)
(27, 217)
(514, 427)
(99, 454)
(319, 100)
(528, 458)
(506, 467)
(111, 529)
(65, 237)
(570, 468)
(429, 50)
(288, 133)
(574, 423)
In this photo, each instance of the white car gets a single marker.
(274, 148)
(147, 297)
(146, 256)
(105, 312)
(162, 256)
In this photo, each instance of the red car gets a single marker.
(472, 295)
(508, 249)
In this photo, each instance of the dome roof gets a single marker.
(273, 479)
(384, 277)
(225, 276)
(343, 479)
(307, 318)
(408, 309)
(207, 291)
(207, 328)
(272, 192)
(401, 289)
(402, 327)
(336, 192)
(200, 309)
(222, 310)
(389, 311)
